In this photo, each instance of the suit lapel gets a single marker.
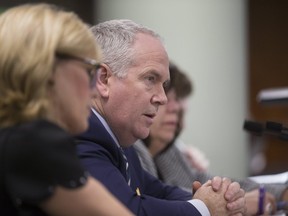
(97, 133)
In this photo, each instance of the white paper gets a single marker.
(275, 178)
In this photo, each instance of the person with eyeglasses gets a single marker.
(48, 64)
(131, 84)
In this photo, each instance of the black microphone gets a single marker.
(275, 126)
(278, 129)
(269, 128)
(256, 128)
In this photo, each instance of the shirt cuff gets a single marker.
(200, 206)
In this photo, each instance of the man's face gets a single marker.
(134, 100)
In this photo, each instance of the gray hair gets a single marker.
(116, 38)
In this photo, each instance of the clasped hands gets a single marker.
(221, 196)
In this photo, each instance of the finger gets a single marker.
(195, 186)
(237, 205)
(226, 182)
(271, 202)
(216, 183)
(233, 192)
(268, 210)
(208, 183)
(242, 212)
(238, 195)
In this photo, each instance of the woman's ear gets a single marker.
(102, 84)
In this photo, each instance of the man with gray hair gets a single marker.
(130, 88)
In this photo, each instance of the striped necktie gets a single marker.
(128, 176)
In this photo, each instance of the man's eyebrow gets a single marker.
(154, 72)
(151, 72)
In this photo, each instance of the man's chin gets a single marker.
(144, 134)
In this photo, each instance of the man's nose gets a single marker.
(160, 97)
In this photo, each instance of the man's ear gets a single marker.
(102, 81)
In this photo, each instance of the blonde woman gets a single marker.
(48, 60)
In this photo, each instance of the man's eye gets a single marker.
(151, 78)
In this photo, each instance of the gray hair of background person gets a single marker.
(116, 38)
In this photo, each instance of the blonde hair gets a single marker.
(31, 35)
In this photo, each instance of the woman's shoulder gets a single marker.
(40, 125)
(36, 132)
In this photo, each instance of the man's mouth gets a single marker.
(152, 115)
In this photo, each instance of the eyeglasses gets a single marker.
(92, 71)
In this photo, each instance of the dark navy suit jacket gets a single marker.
(102, 158)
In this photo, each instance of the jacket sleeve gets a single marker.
(100, 164)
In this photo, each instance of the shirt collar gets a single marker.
(103, 121)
